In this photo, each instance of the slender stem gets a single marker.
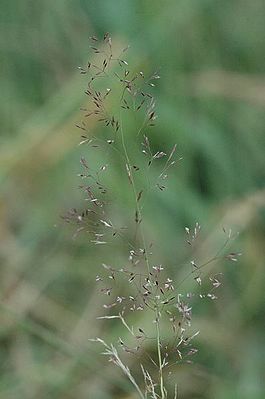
(162, 390)
(161, 383)
(136, 386)
(135, 194)
(113, 352)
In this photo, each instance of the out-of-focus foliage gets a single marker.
(211, 102)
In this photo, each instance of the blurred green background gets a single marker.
(211, 102)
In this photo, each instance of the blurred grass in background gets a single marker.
(211, 102)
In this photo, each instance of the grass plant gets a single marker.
(114, 89)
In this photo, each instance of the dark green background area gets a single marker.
(211, 102)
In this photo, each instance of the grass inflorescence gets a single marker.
(113, 91)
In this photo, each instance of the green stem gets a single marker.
(135, 194)
(162, 390)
